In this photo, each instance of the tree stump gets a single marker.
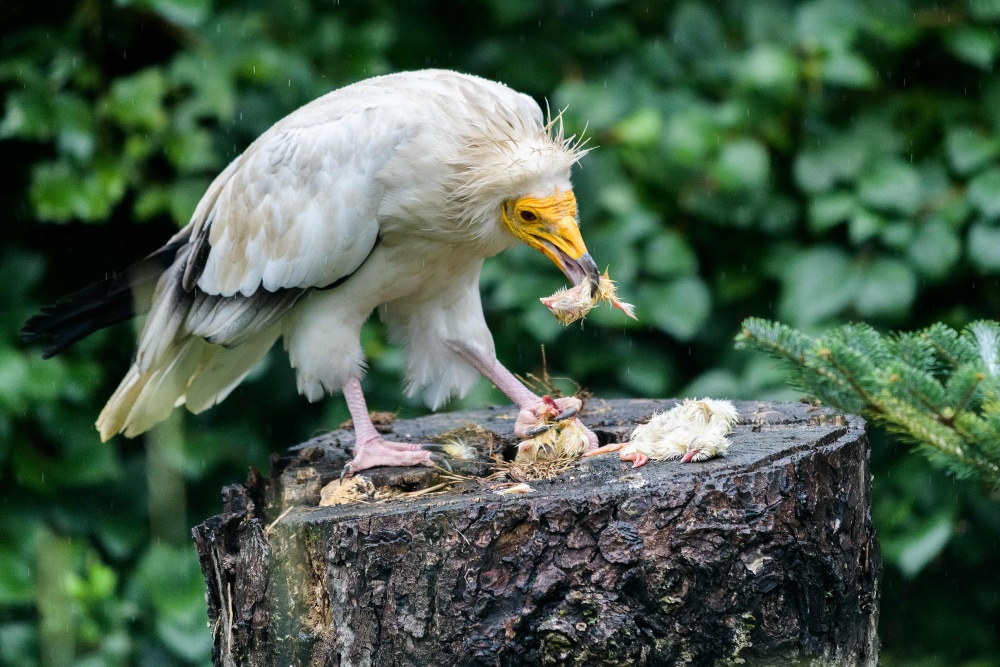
(766, 556)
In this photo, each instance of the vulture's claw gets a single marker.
(442, 462)
(434, 447)
(538, 430)
(347, 471)
(569, 412)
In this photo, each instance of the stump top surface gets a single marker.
(767, 434)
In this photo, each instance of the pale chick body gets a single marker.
(695, 430)
(386, 195)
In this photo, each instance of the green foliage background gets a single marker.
(815, 162)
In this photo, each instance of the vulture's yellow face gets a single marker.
(549, 224)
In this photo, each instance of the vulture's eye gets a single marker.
(528, 216)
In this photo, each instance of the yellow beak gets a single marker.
(563, 244)
(548, 224)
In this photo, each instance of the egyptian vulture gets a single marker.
(385, 195)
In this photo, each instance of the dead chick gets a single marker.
(695, 430)
(570, 305)
(565, 439)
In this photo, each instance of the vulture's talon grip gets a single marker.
(441, 462)
(537, 430)
(568, 413)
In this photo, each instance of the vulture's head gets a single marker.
(516, 179)
(548, 222)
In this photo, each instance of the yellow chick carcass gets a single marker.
(572, 304)
(566, 439)
(695, 430)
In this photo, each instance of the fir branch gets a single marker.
(935, 388)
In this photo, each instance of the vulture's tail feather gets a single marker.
(193, 372)
(115, 299)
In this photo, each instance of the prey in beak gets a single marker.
(549, 225)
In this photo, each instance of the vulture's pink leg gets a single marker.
(370, 449)
(535, 410)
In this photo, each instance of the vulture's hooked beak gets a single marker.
(548, 224)
(565, 247)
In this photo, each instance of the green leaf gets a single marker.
(187, 13)
(864, 225)
(840, 160)
(920, 548)
(679, 308)
(968, 149)
(771, 68)
(75, 126)
(984, 247)
(843, 68)
(984, 10)
(184, 197)
(817, 284)
(697, 32)
(892, 185)
(152, 201)
(172, 581)
(652, 376)
(984, 192)
(974, 45)
(53, 191)
(829, 210)
(29, 115)
(191, 151)
(832, 23)
(689, 137)
(935, 250)
(742, 165)
(888, 288)
(17, 582)
(668, 254)
(642, 128)
(137, 101)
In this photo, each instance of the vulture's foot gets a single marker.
(546, 413)
(376, 452)
(637, 458)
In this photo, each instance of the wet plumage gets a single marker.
(384, 195)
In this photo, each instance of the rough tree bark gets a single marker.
(767, 556)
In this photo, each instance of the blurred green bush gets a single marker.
(812, 161)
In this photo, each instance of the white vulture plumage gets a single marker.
(387, 194)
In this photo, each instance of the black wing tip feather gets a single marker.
(65, 323)
(98, 305)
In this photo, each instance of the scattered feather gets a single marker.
(517, 488)
(459, 449)
(529, 471)
(348, 490)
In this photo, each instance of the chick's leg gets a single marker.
(625, 453)
(536, 412)
(370, 448)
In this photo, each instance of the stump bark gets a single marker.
(766, 556)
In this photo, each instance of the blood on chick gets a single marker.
(695, 430)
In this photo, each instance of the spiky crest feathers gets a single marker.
(509, 156)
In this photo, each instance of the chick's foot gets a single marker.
(625, 453)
